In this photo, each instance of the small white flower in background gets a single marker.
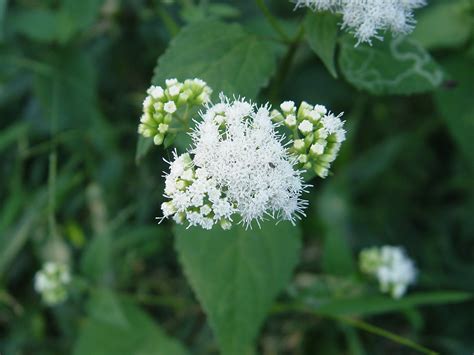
(51, 282)
(366, 18)
(239, 168)
(162, 104)
(390, 265)
(322, 134)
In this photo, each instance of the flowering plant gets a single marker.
(236, 177)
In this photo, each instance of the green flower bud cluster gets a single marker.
(317, 134)
(161, 105)
(51, 282)
(370, 259)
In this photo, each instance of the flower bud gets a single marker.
(290, 121)
(277, 116)
(288, 107)
(305, 127)
(158, 139)
(299, 145)
(162, 128)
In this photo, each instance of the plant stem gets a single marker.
(384, 333)
(273, 21)
(170, 24)
(354, 322)
(286, 64)
(52, 173)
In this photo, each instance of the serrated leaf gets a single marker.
(395, 66)
(456, 106)
(129, 331)
(236, 276)
(224, 55)
(321, 34)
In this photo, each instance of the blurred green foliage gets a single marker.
(73, 75)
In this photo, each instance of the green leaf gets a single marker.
(370, 305)
(369, 164)
(456, 105)
(395, 66)
(47, 25)
(76, 16)
(36, 24)
(3, 11)
(143, 147)
(119, 327)
(71, 76)
(233, 61)
(11, 134)
(321, 34)
(96, 262)
(83, 12)
(334, 214)
(236, 276)
(444, 25)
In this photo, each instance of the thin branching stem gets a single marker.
(273, 21)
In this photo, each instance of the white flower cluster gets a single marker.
(160, 105)
(317, 134)
(51, 282)
(391, 266)
(365, 18)
(239, 168)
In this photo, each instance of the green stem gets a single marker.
(295, 307)
(273, 21)
(384, 333)
(170, 24)
(53, 164)
(286, 64)
(45, 146)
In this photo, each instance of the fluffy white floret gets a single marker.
(241, 168)
(394, 270)
(366, 18)
(51, 282)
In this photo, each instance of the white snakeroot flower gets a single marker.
(174, 90)
(51, 282)
(170, 107)
(367, 18)
(317, 149)
(321, 109)
(290, 121)
(305, 127)
(298, 144)
(156, 92)
(171, 82)
(163, 128)
(240, 169)
(391, 266)
(288, 106)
